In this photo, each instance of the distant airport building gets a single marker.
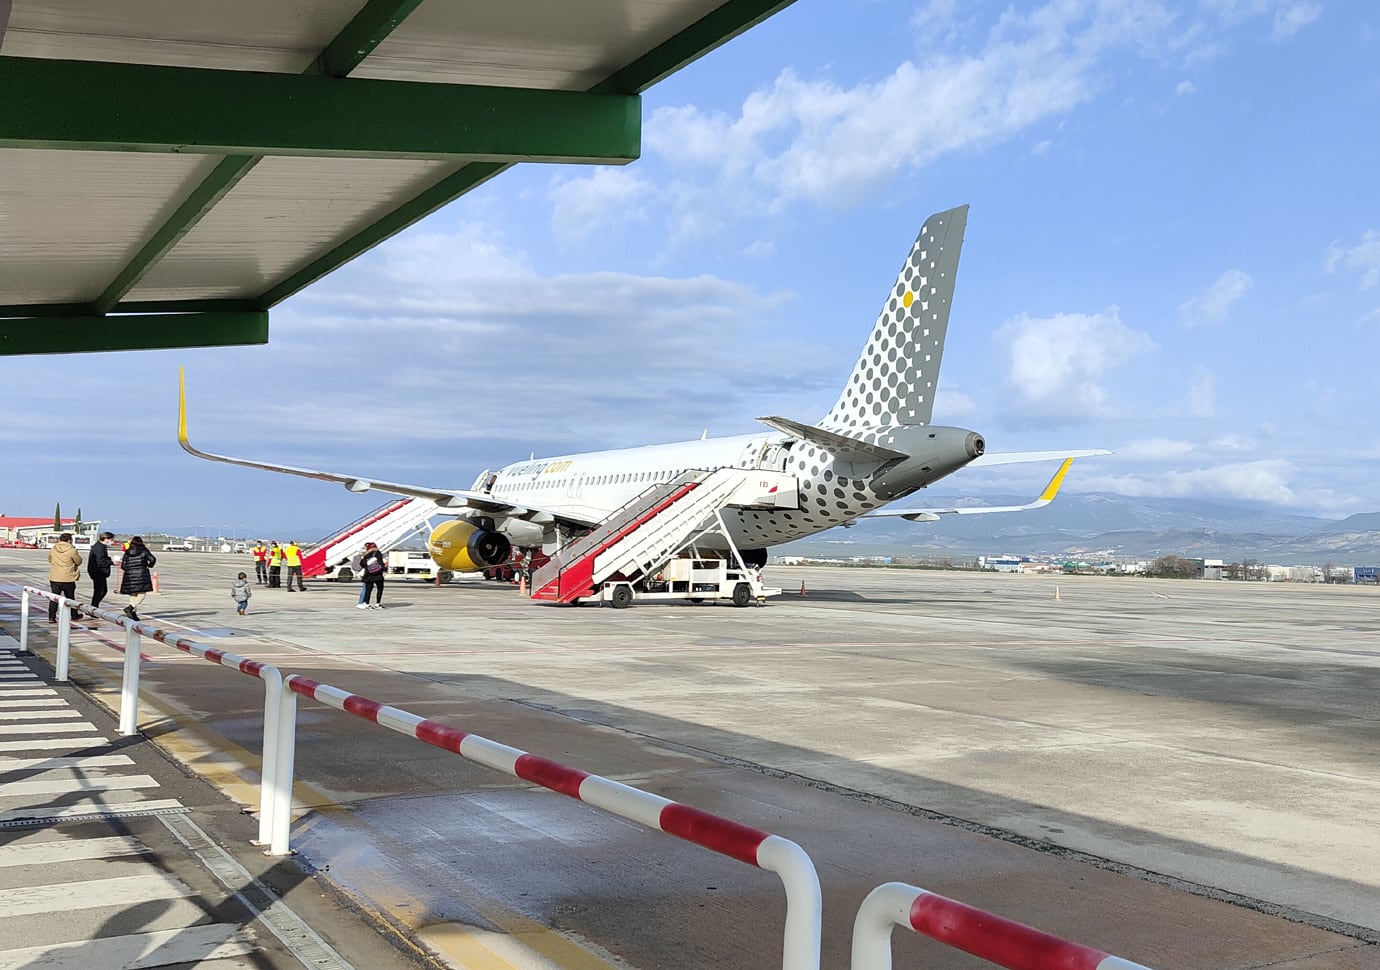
(1000, 564)
(31, 530)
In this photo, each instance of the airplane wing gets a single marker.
(1047, 496)
(449, 498)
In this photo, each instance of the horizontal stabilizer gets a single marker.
(1016, 457)
(933, 515)
(840, 445)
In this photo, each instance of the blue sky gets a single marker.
(1173, 251)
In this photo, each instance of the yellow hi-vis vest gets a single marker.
(293, 554)
(275, 555)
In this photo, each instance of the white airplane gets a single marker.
(876, 445)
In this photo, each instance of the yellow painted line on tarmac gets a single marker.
(526, 947)
(232, 769)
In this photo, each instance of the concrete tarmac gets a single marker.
(1180, 773)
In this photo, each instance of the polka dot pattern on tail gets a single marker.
(893, 381)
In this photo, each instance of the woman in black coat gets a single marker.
(137, 581)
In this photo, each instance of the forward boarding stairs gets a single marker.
(386, 526)
(637, 540)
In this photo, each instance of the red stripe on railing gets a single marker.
(213, 655)
(251, 667)
(1002, 941)
(730, 838)
(363, 707)
(549, 774)
(448, 738)
(302, 685)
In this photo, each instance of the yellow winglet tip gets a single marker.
(182, 405)
(1052, 489)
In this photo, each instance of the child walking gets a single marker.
(239, 592)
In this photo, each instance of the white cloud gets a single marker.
(1184, 88)
(1155, 449)
(1293, 17)
(816, 140)
(1055, 363)
(1265, 481)
(597, 201)
(1364, 256)
(1214, 304)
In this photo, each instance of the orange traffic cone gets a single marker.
(153, 575)
(802, 587)
(522, 584)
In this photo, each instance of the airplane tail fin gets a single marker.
(893, 381)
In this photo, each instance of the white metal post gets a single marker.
(129, 685)
(24, 620)
(268, 769)
(282, 773)
(64, 639)
(886, 906)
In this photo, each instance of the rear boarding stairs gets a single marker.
(636, 552)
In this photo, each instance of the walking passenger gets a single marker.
(260, 552)
(275, 565)
(372, 569)
(239, 592)
(292, 558)
(137, 579)
(63, 560)
(98, 566)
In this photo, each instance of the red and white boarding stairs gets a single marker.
(386, 526)
(637, 540)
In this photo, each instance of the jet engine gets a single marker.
(463, 547)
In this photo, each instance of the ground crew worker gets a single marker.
(260, 552)
(275, 565)
(292, 557)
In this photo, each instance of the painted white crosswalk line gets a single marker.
(193, 946)
(54, 744)
(20, 790)
(26, 714)
(39, 765)
(71, 727)
(33, 900)
(95, 805)
(25, 701)
(28, 692)
(30, 854)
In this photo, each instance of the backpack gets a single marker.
(373, 565)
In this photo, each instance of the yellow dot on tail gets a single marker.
(908, 299)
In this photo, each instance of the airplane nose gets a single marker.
(974, 445)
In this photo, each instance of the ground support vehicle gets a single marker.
(690, 578)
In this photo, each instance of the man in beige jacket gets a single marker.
(64, 563)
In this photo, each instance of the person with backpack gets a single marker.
(372, 569)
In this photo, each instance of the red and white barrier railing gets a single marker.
(270, 794)
(993, 938)
(762, 849)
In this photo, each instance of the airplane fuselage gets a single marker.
(591, 485)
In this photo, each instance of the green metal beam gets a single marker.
(80, 105)
(368, 28)
(374, 22)
(714, 29)
(154, 331)
(126, 306)
(396, 221)
(203, 199)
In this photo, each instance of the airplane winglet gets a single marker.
(1052, 489)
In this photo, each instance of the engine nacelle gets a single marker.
(463, 547)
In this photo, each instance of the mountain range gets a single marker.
(1104, 526)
